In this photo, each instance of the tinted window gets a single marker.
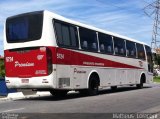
(130, 49)
(23, 28)
(66, 34)
(140, 51)
(149, 58)
(119, 46)
(88, 39)
(149, 53)
(105, 43)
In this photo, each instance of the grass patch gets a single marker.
(156, 79)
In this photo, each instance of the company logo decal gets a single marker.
(40, 57)
(27, 64)
(79, 71)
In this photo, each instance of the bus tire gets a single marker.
(113, 88)
(83, 92)
(59, 93)
(142, 80)
(93, 85)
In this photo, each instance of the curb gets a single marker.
(20, 95)
(16, 95)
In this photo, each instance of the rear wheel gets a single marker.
(59, 93)
(93, 86)
(113, 88)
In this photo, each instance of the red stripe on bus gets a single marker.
(70, 57)
(34, 62)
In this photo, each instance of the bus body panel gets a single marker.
(71, 68)
(26, 63)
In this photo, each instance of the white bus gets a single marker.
(45, 51)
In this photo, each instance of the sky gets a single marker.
(125, 17)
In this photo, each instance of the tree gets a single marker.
(2, 68)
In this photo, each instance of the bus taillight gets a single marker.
(49, 60)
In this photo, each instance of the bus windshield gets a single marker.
(25, 27)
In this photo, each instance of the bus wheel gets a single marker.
(139, 86)
(59, 93)
(83, 92)
(93, 86)
(113, 88)
(142, 80)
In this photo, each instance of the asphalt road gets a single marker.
(124, 100)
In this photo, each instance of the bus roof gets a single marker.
(59, 17)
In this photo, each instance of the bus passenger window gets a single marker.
(94, 46)
(106, 44)
(102, 49)
(122, 51)
(131, 49)
(66, 34)
(140, 51)
(88, 39)
(127, 52)
(116, 50)
(109, 49)
(149, 58)
(119, 46)
(85, 45)
(132, 53)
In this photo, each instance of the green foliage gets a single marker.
(2, 68)
(156, 79)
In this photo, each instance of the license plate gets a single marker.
(25, 80)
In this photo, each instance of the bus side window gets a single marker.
(66, 34)
(127, 51)
(85, 45)
(58, 29)
(94, 46)
(133, 53)
(88, 39)
(109, 49)
(102, 49)
(116, 50)
(131, 49)
(140, 51)
(149, 58)
(122, 51)
(106, 44)
(119, 46)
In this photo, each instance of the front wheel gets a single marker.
(139, 86)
